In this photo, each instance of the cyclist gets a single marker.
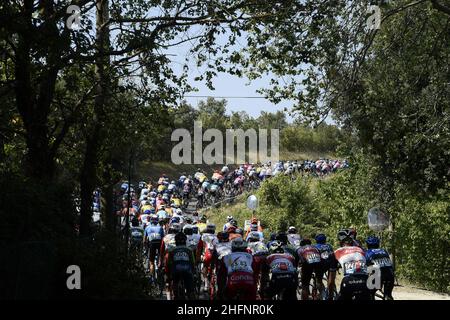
(280, 273)
(201, 224)
(293, 237)
(236, 271)
(180, 267)
(145, 217)
(225, 170)
(380, 258)
(353, 235)
(232, 231)
(193, 242)
(153, 236)
(226, 225)
(326, 256)
(168, 242)
(282, 237)
(162, 213)
(353, 261)
(222, 248)
(209, 240)
(259, 251)
(309, 261)
(137, 234)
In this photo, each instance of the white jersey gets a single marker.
(294, 239)
(209, 240)
(258, 248)
(222, 249)
(238, 262)
(169, 241)
(192, 241)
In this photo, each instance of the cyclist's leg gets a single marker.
(319, 271)
(331, 283)
(306, 276)
(189, 285)
(388, 280)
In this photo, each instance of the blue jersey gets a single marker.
(162, 214)
(378, 257)
(324, 247)
(154, 232)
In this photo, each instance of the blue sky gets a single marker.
(227, 85)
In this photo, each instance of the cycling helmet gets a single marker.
(373, 242)
(223, 236)
(203, 219)
(147, 211)
(210, 228)
(229, 218)
(305, 242)
(175, 220)
(253, 237)
(188, 220)
(321, 238)
(134, 222)
(154, 219)
(194, 229)
(234, 223)
(292, 230)
(345, 236)
(180, 238)
(276, 247)
(353, 233)
(176, 227)
(187, 230)
(282, 237)
(238, 244)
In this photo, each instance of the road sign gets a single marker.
(377, 219)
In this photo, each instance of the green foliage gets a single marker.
(300, 138)
(421, 225)
(286, 202)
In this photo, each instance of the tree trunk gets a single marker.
(88, 176)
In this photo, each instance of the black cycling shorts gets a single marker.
(307, 271)
(286, 283)
(186, 277)
(153, 248)
(354, 287)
